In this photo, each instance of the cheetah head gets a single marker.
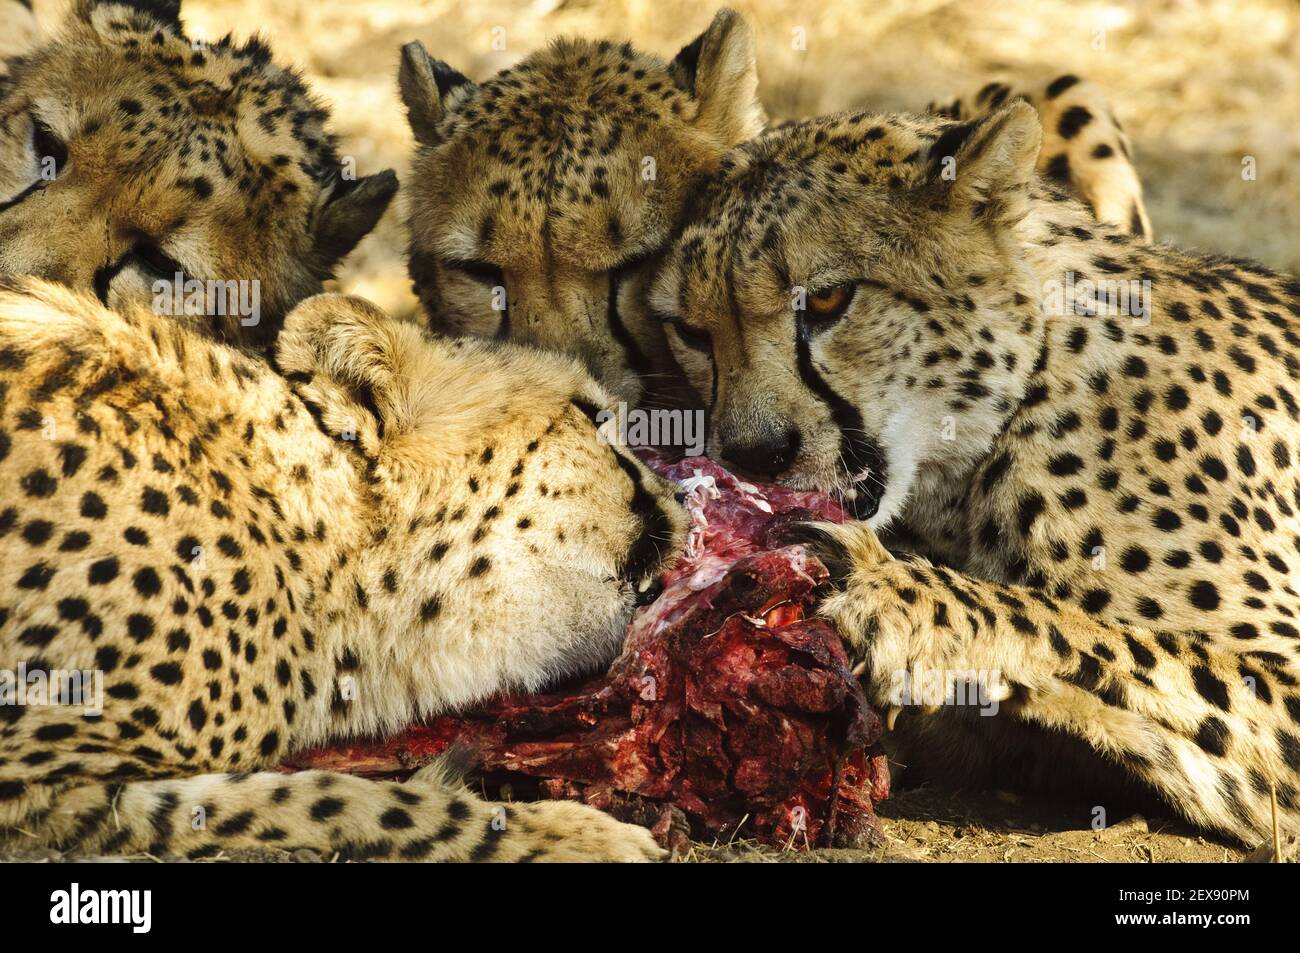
(499, 504)
(133, 153)
(539, 197)
(847, 301)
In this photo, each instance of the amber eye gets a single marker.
(829, 304)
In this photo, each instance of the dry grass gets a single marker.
(1199, 85)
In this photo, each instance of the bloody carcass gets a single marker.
(730, 701)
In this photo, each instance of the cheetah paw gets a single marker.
(568, 832)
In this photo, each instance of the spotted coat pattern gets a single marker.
(1091, 501)
(130, 153)
(257, 561)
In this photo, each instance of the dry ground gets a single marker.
(1199, 85)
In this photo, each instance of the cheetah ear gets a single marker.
(718, 68)
(987, 165)
(424, 83)
(381, 383)
(342, 354)
(349, 213)
(166, 12)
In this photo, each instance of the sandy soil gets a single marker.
(1199, 85)
(999, 827)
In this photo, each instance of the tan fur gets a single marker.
(216, 158)
(1084, 147)
(543, 174)
(393, 528)
(1106, 506)
(19, 32)
(523, 175)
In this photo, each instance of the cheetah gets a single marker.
(558, 179)
(1082, 503)
(261, 556)
(133, 154)
(539, 201)
(1084, 149)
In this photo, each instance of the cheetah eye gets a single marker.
(693, 338)
(148, 254)
(48, 147)
(829, 304)
(481, 271)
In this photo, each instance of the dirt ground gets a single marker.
(1201, 85)
(999, 827)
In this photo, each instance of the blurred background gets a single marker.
(1199, 84)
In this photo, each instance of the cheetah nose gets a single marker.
(767, 456)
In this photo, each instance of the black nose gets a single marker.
(767, 457)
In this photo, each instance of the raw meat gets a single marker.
(729, 702)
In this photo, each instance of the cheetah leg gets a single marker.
(425, 819)
(1191, 716)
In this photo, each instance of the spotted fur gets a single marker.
(388, 528)
(1103, 509)
(1084, 147)
(559, 180)
(131, 153)
(531, 216)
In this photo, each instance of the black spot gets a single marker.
(1094, 600)
(36, 577)
(1135, 559)
(1065, 464)
(1203, 595)
(1072, 120)
(93, 507)
(102, 571)
(1031, 507)
(1060, 85)
(395, 819)
(139, 626)
(1058, 169)
(1211, 688)
(166, 673)
(39, 484)
(326, 808)
(146, 582)
(1212, 736)
(154, 501)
